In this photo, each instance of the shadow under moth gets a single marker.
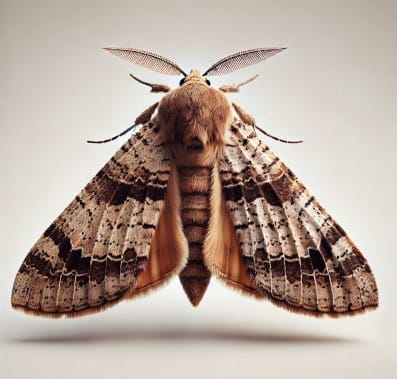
(194, 192)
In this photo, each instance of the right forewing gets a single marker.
(293, 251)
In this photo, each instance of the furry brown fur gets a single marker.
(193, 113)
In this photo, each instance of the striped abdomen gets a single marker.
(195, 188)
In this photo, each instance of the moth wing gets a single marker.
(113, 241)
(279, 242)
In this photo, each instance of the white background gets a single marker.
(335, 87)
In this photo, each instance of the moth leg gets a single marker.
(153, 86)
(249, 120)
(235, 87)
(146, 115)
(143, 118)
(245, 117)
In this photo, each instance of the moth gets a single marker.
(194, 193)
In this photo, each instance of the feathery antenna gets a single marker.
(241, 59)
(148, 60)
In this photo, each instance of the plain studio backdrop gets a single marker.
(334, 87)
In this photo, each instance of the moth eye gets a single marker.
(208, 82)
(182, 81)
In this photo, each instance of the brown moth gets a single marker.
(194, 193)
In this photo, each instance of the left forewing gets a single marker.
(95, 252)
(293, 251)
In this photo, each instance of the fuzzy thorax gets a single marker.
(194, 119)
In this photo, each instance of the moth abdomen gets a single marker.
(195, 189)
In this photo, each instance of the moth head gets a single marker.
(194, 77)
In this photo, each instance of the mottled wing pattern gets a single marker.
(294, 252)
(94, 253)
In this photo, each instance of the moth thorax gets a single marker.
(194, 118)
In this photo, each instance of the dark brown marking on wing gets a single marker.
(317, 260)
(73, 259)
(293, 270)
(38, 262)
